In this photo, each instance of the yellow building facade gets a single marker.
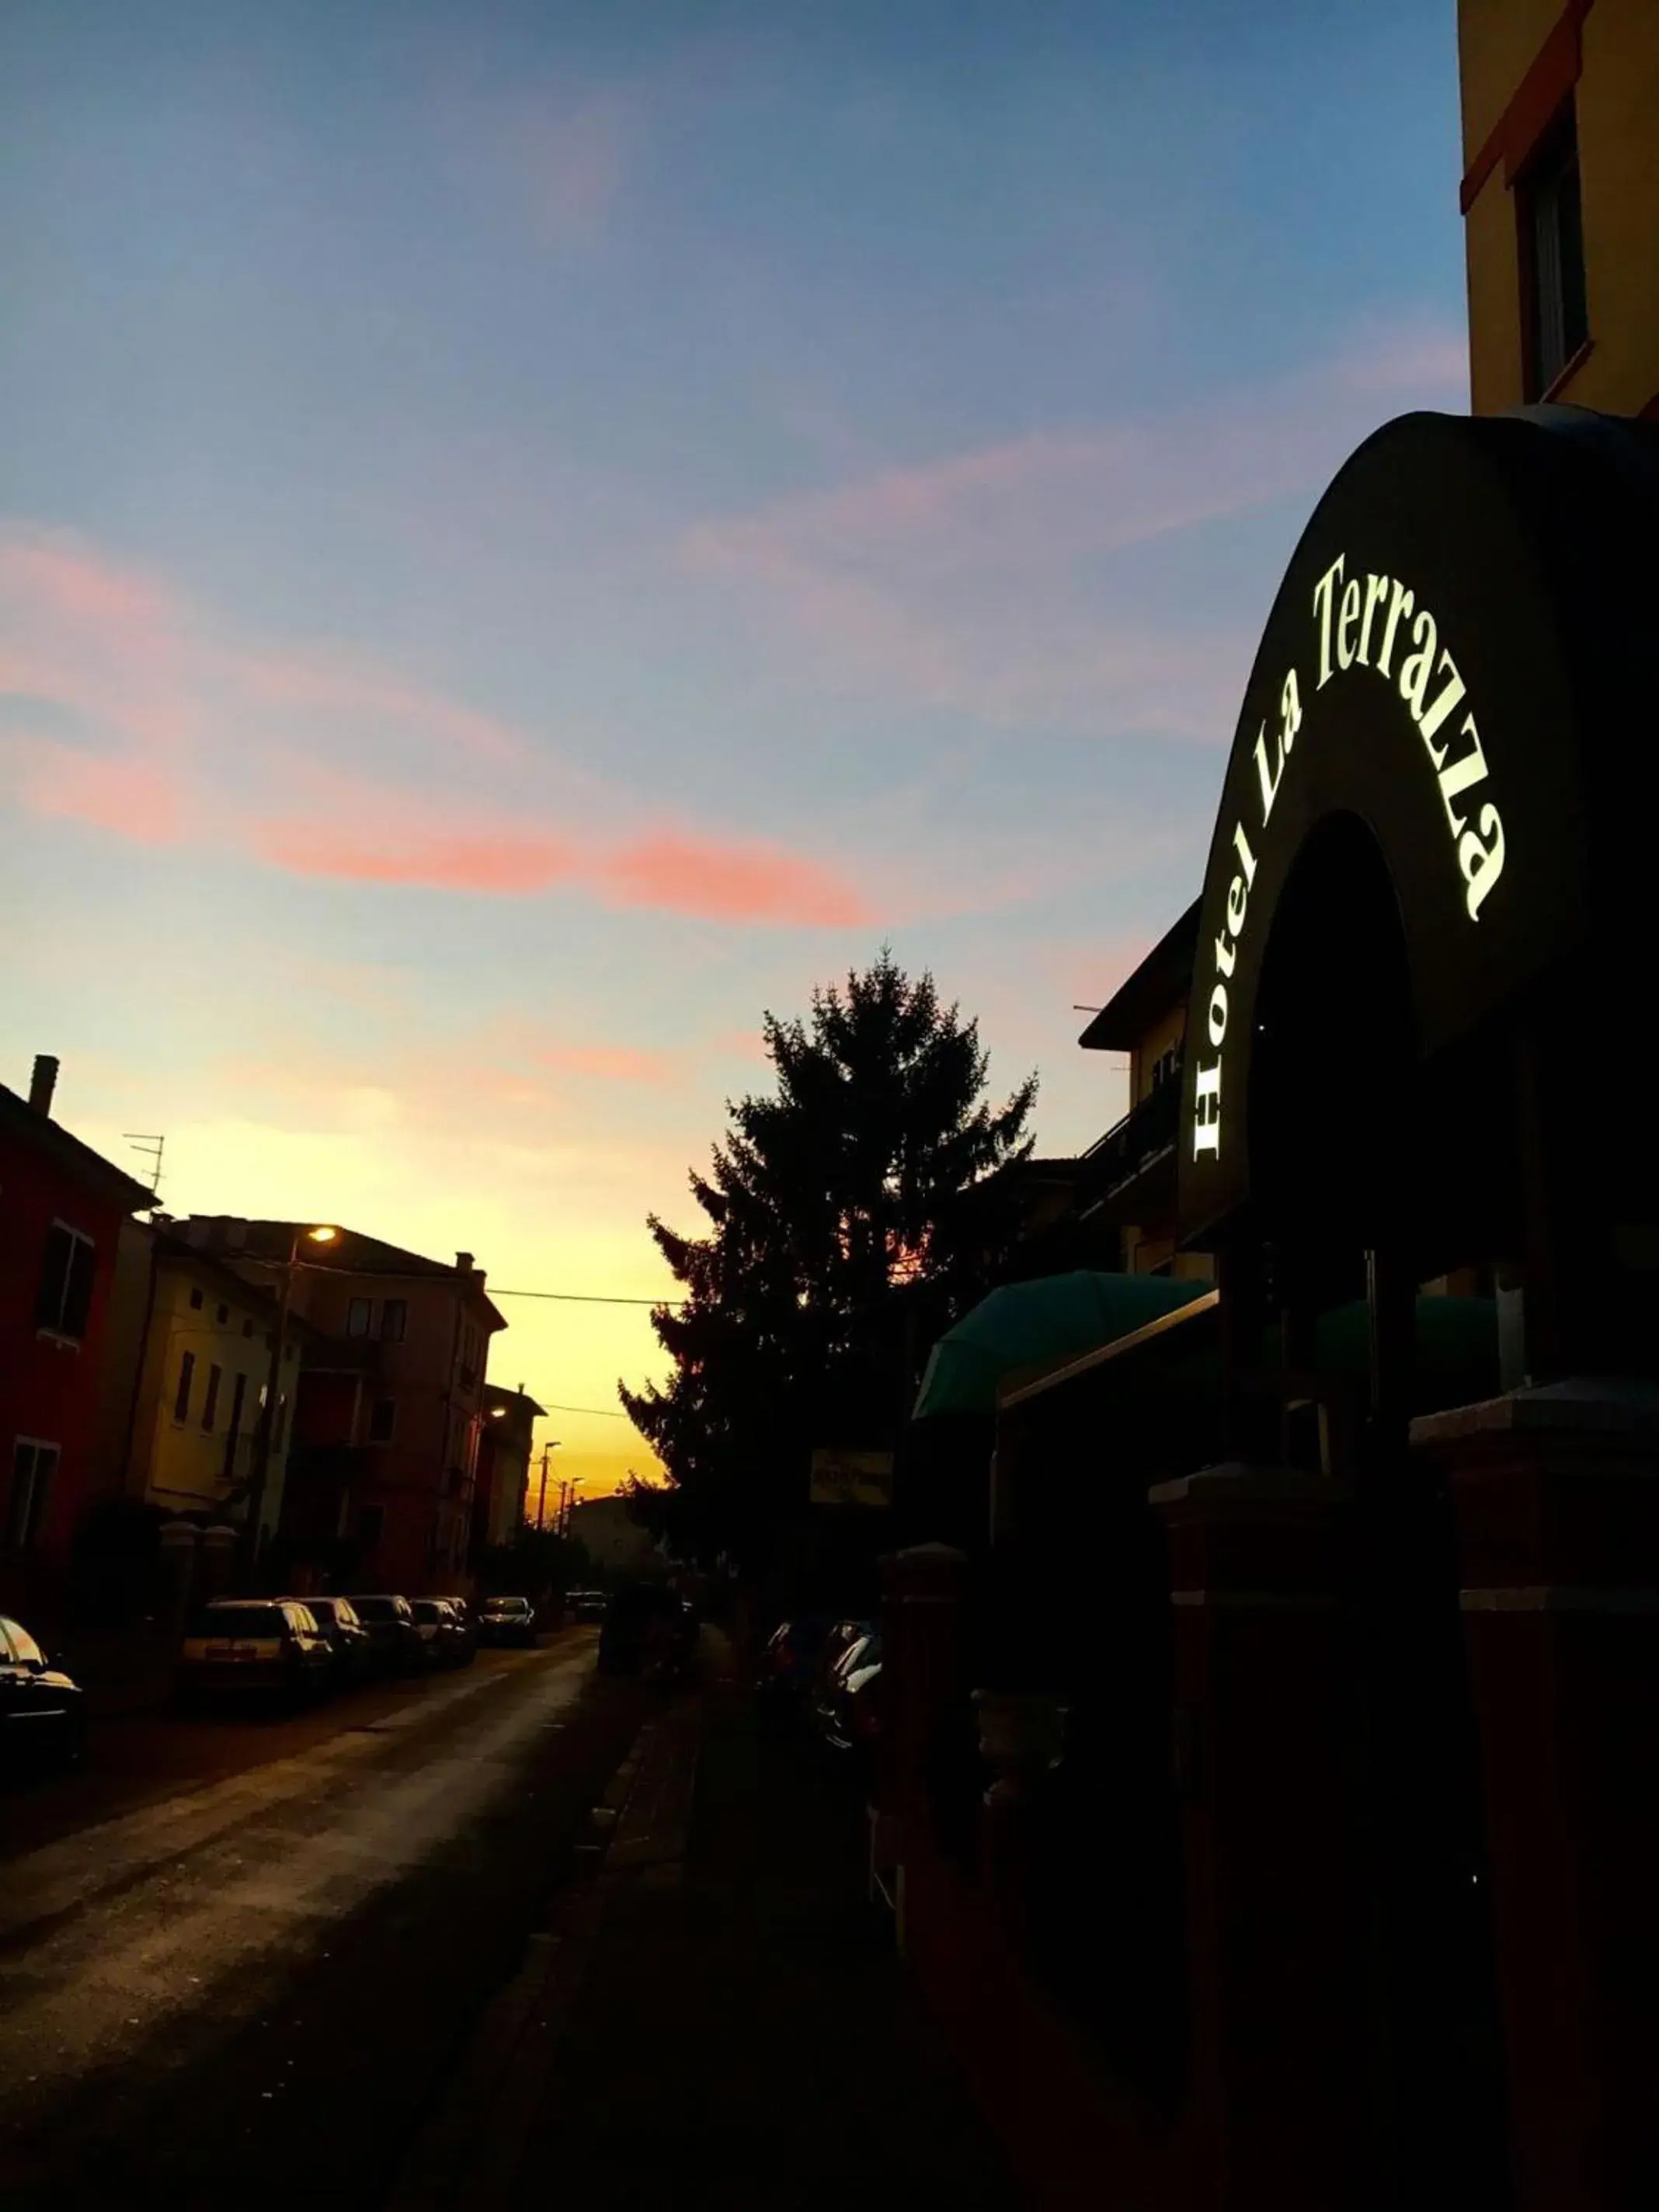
(201, 1389)
(1560, 198)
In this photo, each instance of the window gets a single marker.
(195, 1300)
(238, 1400)
(210, 1402)
(247, 1328)
(1550, 220)
(33, 1464)
(64, 1297)
(181, 1396)
(288, 1351)
(359, 1316)
(382, 1419)
(394, 1320)
(279, 1423)
(222, 1315)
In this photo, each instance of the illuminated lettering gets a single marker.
(1441, 707)
(1417, 667)
(1402, 604)
(1269, 783)
(1482, 863)
(1290, 710)
(1347, 621)
(1206, 1111)
(1323, 593)
(1246, 858)
(1376, 590)
(1461, 774)
(1226, 956)
(1237, 893)
(1217, 1023)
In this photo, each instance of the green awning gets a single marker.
(1027, 1328)
(1024, 1327)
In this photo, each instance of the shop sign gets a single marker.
(852, 1478)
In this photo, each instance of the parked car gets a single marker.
(467, 1622)
(349, 1644)
(788, 1663)
(442, 1637)
(506, 1620)
(646, 1626)
(585, 1604)
(42, 1709)
(839, 1638)
(263, 1647)
(845, 1709)
(397, 1644)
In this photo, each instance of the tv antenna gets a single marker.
(151, 1147)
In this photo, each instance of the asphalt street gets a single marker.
(247, 1987)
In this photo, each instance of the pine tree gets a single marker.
(842, 1238)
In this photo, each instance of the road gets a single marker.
(249, 1989)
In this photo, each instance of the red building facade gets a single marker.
(61, 1209)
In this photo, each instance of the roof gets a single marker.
(18, 1119)
(1160, 983)
(171, 1248)
(499, 1392)
(350, 1252)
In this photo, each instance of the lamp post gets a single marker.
(265, 1434)
(548, 1448)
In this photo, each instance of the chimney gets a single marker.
(43, 1082)
(463, 1263)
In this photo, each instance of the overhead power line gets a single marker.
(584, 1298)
(604, 1412)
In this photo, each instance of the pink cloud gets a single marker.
(615, 1063)
(323, 764)
(337, 687)
(137, 799)
(504, 864)
(731, 883)
(958, 583)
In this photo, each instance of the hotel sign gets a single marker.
(1413, 675)
(1356, 628)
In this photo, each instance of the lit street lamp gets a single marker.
(264, 1438)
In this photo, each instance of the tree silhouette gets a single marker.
(844, 1232)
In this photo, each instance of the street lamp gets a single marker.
(323, 1233)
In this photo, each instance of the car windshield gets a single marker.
(376, 1608)
(240, 1621)
(505, 1605)
(321, 1610)
(428, 1608)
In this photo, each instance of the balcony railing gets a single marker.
(1145, 1135)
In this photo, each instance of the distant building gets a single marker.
(614, 1541)
(382, 1466)
(62, 1209)
(503, 1476)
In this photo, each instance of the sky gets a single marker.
(532, 534)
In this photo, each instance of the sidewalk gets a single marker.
(741, 2033)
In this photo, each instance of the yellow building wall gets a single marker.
(184, 1462)
(1168, 1030)
(1617, 104)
